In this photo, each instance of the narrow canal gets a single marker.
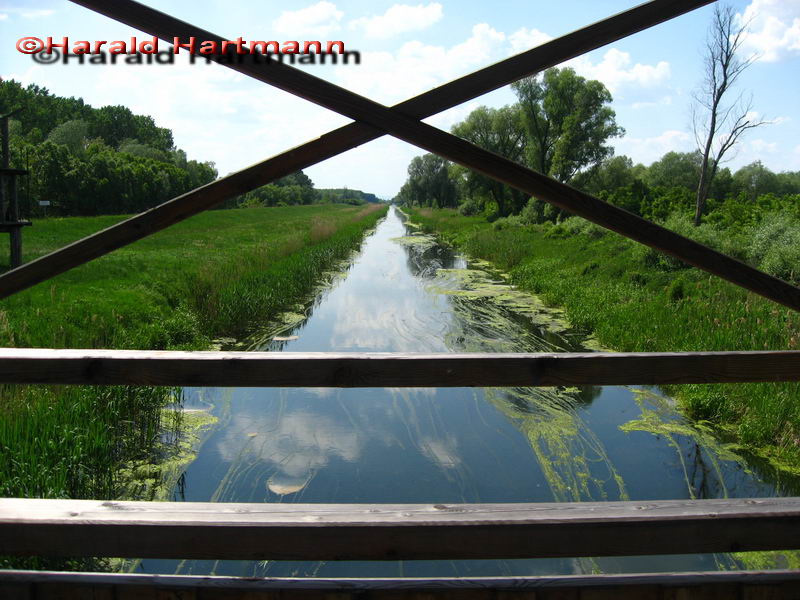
(404, 292)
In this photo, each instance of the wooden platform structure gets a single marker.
(9, 198)
(397, 532)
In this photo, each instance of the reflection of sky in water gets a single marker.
(440, 445)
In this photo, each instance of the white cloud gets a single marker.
(416, 67)
(665, 101)
(763, 147)
(400, 18)
(647, 150)
(774, 28)
(616, 71)
(525, 39)
(318, 20)
(37, 14)
(26, 13)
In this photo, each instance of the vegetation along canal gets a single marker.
(405, 292)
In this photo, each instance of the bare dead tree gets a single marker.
(718, 125)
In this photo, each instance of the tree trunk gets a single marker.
(702, 195)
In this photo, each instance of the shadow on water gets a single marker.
(405, 292)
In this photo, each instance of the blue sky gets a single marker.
(221, 116)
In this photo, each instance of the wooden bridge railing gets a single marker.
(396, 532)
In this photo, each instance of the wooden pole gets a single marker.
(15, 232)
(4, 162)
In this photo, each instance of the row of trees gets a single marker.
(561, 124)
(88, 161)
(298, 188)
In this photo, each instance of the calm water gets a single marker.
(447, 445)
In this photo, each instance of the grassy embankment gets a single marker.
(635, 300)
(213, 275)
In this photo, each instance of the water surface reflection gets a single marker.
(447, 445)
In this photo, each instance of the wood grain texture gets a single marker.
(332, 369)
(410, 129)
(673, 586)
(394, 532)
(341, 140)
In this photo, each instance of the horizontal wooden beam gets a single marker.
(330, 369)
(410, 129)
(8, 227)
(340, 140)
(48, 585)
(277, 531)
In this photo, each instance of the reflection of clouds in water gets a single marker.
(297, 445)
(386, 324)
(408, 393)
(443, 452)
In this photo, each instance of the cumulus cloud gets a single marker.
(616, 71)
(37, 14)
(649, 149)
(665, 101)
(400, 18)
(763, 147)
(774, 28)
(26, 13)
(318, 20)
(416, 67)
(525, 39)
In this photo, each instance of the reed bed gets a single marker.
(215, 274)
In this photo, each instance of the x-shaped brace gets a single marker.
(403, 121)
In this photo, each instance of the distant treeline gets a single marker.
(298, 188)
(92, 161)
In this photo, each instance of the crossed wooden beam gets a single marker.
(403, 121)
(308, 532)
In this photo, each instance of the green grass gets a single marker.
(634, 302)
(215, 274)
(146, 295)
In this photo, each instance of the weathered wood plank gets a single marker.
(672, 586)
(341, 140)
(394, 532)
(331, 369)
(413, 131)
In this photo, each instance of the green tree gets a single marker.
(755, 179)
(612, 173)
(428, 183)
(567, 120)
(500, 131)
(71, 134)
(675, 169)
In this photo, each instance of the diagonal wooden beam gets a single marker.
(409, 129)
(341, 140)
